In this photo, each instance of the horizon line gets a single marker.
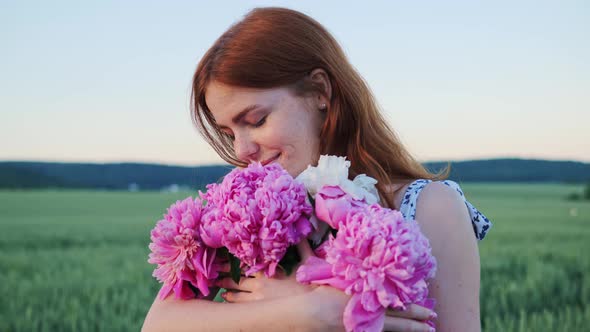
(180, 164)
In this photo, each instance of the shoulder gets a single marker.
(442, 214)
(437, 198)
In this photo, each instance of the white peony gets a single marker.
(333, 171)
(367, 184)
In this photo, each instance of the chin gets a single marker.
(294, 168)
(296, 171)
(289, 170)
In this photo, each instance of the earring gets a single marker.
(323, 107)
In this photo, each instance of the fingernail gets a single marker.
(433, 315)
(431, 329)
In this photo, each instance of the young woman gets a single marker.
(277, 87)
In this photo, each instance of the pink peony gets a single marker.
(179, 252)
(258, 212)
(379, 258)
(332, 205)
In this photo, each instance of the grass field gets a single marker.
(76, 260)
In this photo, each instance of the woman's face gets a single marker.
(268, 125)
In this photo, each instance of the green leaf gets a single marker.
(223, 252)
(290, 260)
(311, 199)
(235, 270)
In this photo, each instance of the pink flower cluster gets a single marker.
(379, 258)
(256, 213)
(179, 252)
(259, 212)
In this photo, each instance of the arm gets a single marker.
(284, 314)
(445, 221)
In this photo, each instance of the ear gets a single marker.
(319, 77)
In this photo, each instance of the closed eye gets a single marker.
(228, 133)
(260, 122)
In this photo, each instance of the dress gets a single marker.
(481, 224)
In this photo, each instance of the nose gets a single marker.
(246, 148)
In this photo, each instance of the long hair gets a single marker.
(277, 47)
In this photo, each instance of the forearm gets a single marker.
(283, 314)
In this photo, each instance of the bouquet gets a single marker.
(258, 213)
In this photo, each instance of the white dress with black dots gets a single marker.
(481, 224)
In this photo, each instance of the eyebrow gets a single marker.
(238, 117)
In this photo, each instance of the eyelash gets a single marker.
(258, 124)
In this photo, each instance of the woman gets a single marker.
(277, 87)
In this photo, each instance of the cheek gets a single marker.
(279, 133)
(304, 139)
(295, 131)
(275, 136)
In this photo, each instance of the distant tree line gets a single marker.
(155, 177)
(516, 170)
(106, 176)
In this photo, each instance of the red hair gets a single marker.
(276, 47)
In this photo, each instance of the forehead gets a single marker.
(225, 101)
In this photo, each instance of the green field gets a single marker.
(76, 260)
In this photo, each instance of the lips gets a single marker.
(270, 160)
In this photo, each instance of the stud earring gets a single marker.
(323, 107)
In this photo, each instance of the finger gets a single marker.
(225, 268)
(304, 250)
(238, 297)
(413, 311)
(227, 283)
(258, 274)
(404, 324)
(245, 284)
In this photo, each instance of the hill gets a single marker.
(15, 174)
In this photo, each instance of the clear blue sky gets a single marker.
(106, 81)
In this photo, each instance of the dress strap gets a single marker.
(481, 224)
(408, 205)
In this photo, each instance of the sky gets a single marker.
(109, 81)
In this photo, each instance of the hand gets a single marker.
(411, 319)
(258, 287)
(326, 305)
